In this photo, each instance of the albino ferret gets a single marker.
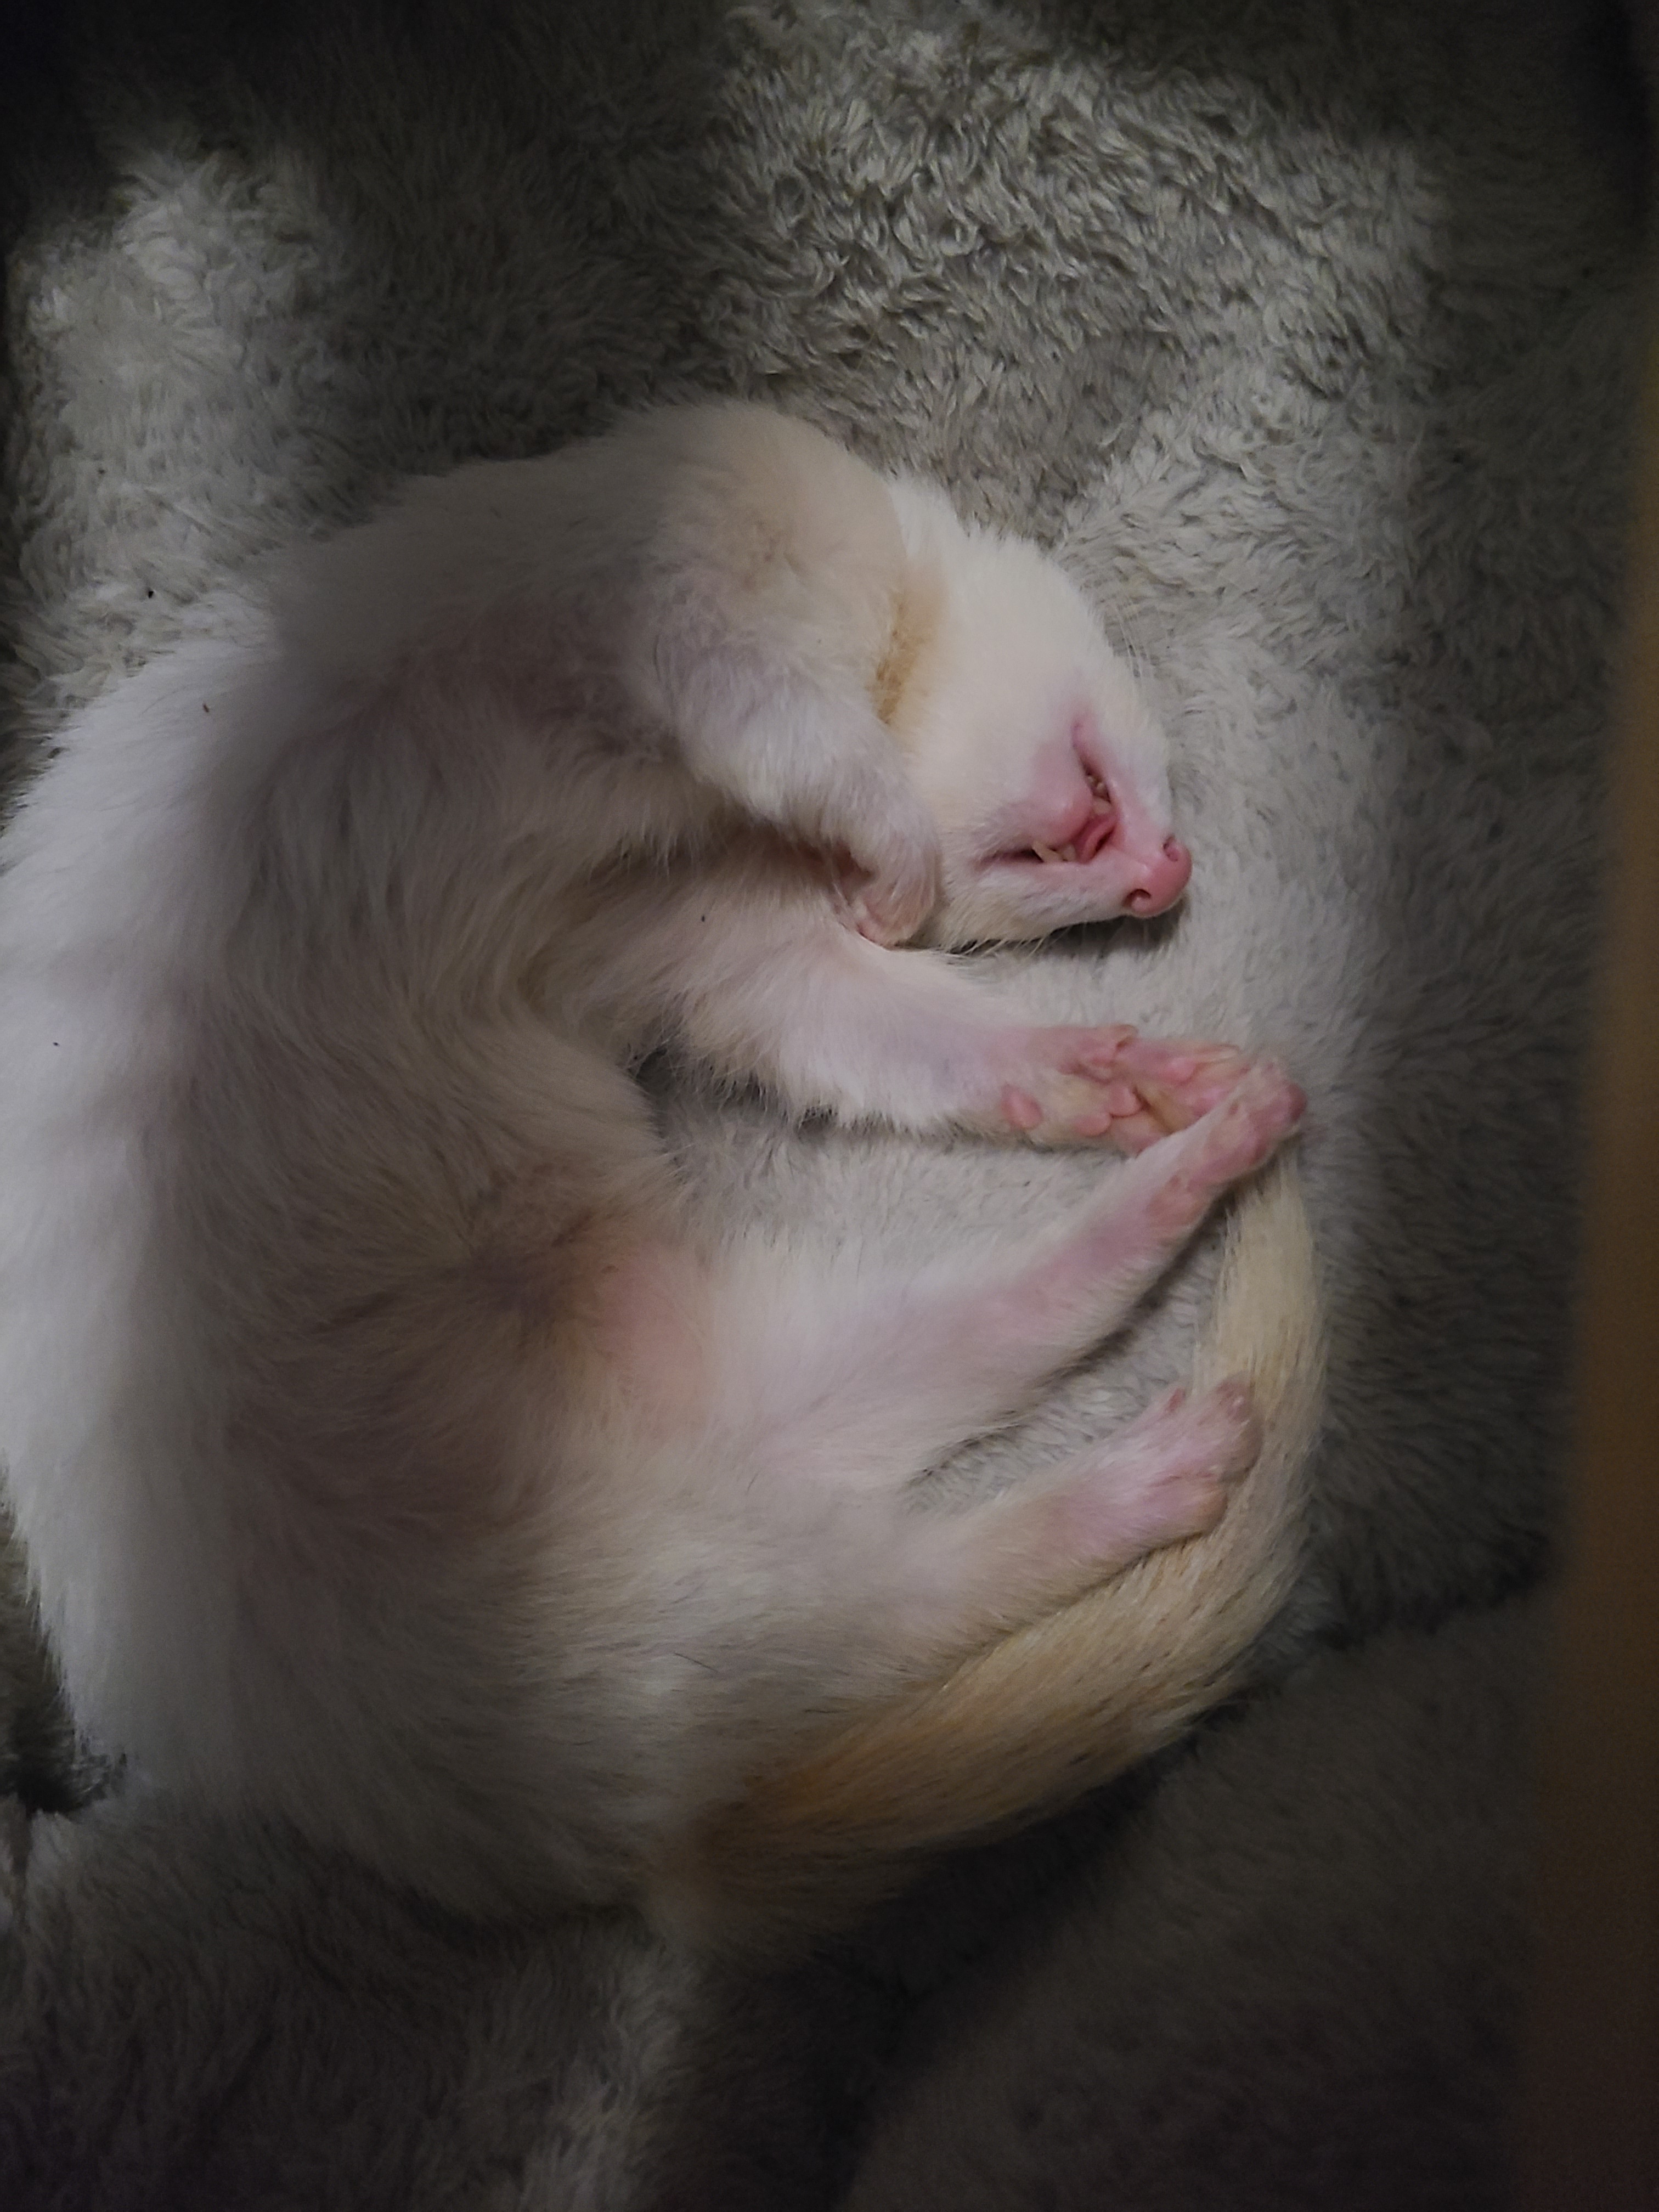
(391, 1453)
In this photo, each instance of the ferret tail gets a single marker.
(1066, 1704)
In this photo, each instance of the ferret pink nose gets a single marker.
(1162, 880)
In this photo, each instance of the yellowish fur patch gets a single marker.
(900, 674)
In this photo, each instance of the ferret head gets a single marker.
(1030, 740)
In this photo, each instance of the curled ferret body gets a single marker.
(391, 1455)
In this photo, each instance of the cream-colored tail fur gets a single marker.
(1063, 1706)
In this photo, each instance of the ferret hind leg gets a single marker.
(826, 1389)
(1062, 1704)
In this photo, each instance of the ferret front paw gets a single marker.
(1078, 1085)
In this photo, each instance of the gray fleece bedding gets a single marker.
(1304, 334)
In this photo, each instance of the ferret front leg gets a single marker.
(761, 979)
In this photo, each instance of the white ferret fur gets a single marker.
(391, 1455)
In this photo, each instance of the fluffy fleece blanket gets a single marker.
(1302, 332)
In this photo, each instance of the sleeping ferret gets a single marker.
(391, 1453)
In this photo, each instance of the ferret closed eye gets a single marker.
(393, 1453)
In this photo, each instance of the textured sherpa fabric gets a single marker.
(1302, 331)
(204, 2019)
(1303, 1958)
